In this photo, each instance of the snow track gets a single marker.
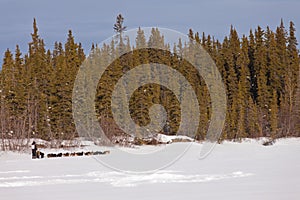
(115, 179)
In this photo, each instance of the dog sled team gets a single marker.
(89, 153)
(36, 154)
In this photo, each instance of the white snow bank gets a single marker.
(170, 138)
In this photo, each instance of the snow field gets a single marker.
(246, 170)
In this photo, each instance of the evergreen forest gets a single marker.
(260, 70)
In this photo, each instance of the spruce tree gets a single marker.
(119, 28)
(252, 68)
(260, 64)
(140, 40)
(243, 88)
(273, 70)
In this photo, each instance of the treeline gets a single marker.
(36, 90)
(260, 72)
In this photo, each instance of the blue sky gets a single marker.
(92, 20)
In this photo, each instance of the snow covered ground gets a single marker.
(246, 170)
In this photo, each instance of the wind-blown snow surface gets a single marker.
(246, 170)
